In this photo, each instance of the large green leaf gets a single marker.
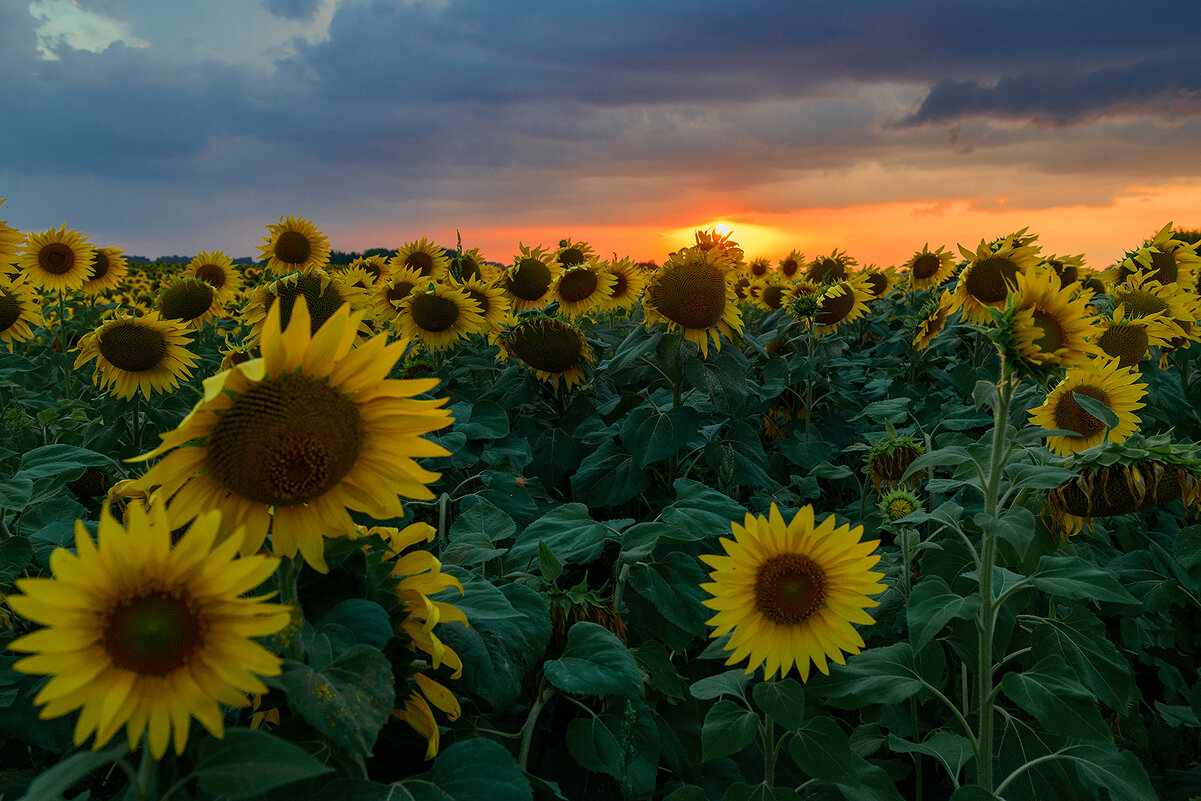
(608, 476)
(885, 675)
(729, 682)
(53, 460)
(652, 436)
(700, 512)
(1050, 692)
(624, 746)
(723, 379)
(568, 530)
(1073, 577)
(782, 700)
(348, 701)
(932, 605)
(594, 662)
(672, 587)
(822, 750)
(951, 749)
(60, 777)
(485, 519)
(474, 770)
(248, 762)
(1119, 773)
(728, 728)
(1080, 638)
(482, 420)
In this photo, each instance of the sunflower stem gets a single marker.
(289, 595)
(917, 758)
(62, 333)
(810, 346)
(768, 732)
(527, 737)
(144, 781)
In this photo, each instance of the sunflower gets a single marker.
(391, 290)
(898, 503)
(1165, 259)
(292, 441)
(1144, 298)
(527, 283)
(758, 268)
(324, 294)
(1051, 326)
(629, 282)
(772, 294)
(10, 240)
(494, 306)
(190, 301)
(56, 259)
(144, 352)
(928, 269)
(20, 311)
(554, 349)
(1128, 339)
(439, 316)
(790, 266)
(108, 269)
(216, 268)
(829, 269)
(691, 292)
(424, 256)
(991, 274)
(726, 248)
(375, 264)
(1104, 381)
(294, 243)
(582, 288)
(420, 577)
(144, 634)
(1069, 269)
(790, 593)
(841, 303)
(356, 277)
(571, 254)
(931, 319)
(879, 281)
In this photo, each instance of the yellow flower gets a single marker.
(582, 288)
(391, 290)
(991, 274)
(438, 316)
(928, 269)
(494, 306)
(1114, 386)
(137, 352)
(294, 440)
(142, 634)
(629, 282)
(571, 254)
(1052, 325)
(294, 243)
(842, 303)
(790, 265)
(20, 310)
(790, 593)
(554, 349)
(188, 301)
(216, 268)
(423, 256)
(527, 283)
(56, 259)
(108, 269)
(691, 293)
(323, 294)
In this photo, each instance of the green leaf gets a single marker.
(823, 751)
(894, 410)
(731, 682)
(567, 530)
(672, 586)
(1080, 638)
(652, 436)
(625, 747)
(474, 770)
(884, 675)
(951, 749)
(728, 729)
(782, 700)
(932, 605)
(639, 540)
(349, 701)
(608, 476)
(973, 792)
(951, 455)
(15, 554)
(1187, 547)
(248, 762)
(594, 662)
(1073, 577)
(15, 492)
(548, 564)
(1097, 409)
(51, 783)
(1037, 476)
(689, 792)
(486, 421)
(1049, 691)
(655, 660)
(700, 512)
(638, 343)
(53, 460)
(486, 519)
(366, 620)
(1106, 769)
(499, 651)
(723, 379)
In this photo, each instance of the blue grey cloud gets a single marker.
(296, 10)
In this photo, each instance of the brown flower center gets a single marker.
(790, 588)
(322, 302)
(772, 296)
(1139, 303)
(789, 267)
(421, 261)
(530, 280)
(925, 266)
(211, 274)
(293, 247)
(878, 283)
(480, 298)
(1070, 415)
(835, 308)
(56, 258)
(469, 268)
(551, 346)
(827, 270)
(570, 256)
(132, 347)
(10, 309)
(285, 441)
(988, 280)
(1166, 269)
(577, 285)
(186, 300)
(1127, 342)
(692, 295)
(100, 265)
(1052, 335)
(399, 290)
(153, 634)
(433, 313)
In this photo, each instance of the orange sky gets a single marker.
(881, 233)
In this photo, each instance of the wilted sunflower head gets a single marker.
(887, 460)
(190, 301)
(294, 243)
(553, 348)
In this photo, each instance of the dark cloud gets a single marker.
(293, 10)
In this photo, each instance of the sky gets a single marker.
(873, 126)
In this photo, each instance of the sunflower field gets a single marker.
(433, 526)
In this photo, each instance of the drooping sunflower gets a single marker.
(572, 253)
(294, 243)
(292, 441)
(494, 306)
(554, 349)
(527, 283)
(931, 319)
(1069, 269)
(582, 288)
(146, 635)
(20, 310)
(1104, 381)
(216, 268)
(189, 301)
(691, 292)
(420, 577)
(791, 265)
(438, 316)
(391, 290)
(1165, 259)
(928, 269)
(841, 303)
(108, 268)
(56, 259)
(424, 256)
(323, 294)
(791, 593)
(1128, 339)
(991, 274)
(1050, 325)
(134, 353)
(830, 269)
(629, 282)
